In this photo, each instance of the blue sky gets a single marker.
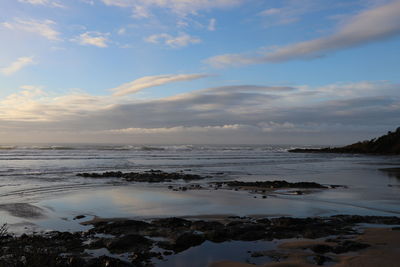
(177, 71)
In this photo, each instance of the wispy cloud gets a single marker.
(290, 11)
(372, 25)
(178, 41)
(152, 81)
(93, 38)
(181, 129)
(212, 25)
(17, 65)
(43, 2)
(140, 12)
(44, 28)
(141, 7)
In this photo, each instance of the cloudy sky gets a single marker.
(199, 71)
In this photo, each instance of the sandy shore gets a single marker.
(384, 252)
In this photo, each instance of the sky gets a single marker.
(199, 71)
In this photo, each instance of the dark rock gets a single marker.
(105, 261)
(152, 176)
(206, 225)
(321, 248)
(218, 235)
(264, 221)
(187, 240)
(172, 222)
(129, 243)
(348, 246)
(321, 259)
(273, 184)
(246, 231)
(120, 227)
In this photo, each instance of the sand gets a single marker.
(384, 252)
(23, 210)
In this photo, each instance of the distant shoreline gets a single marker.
(388, 144)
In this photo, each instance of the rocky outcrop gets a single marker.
(272, 184)
(145, 241)
(152, 176)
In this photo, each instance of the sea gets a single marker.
(40, 189)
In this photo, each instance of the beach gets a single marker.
(75, 188)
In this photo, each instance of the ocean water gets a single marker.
(44, 177)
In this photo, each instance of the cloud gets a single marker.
(17, 65)
(92, 38)
(291, 11)
(121, 31)
(43, 28)
(183, 8)
(181, 40)
(212, 25)
(33, 104)
(372, 25)
(227, 114)
(152, 81)
(180, 129)
(140, 12)
(270, 11)
(42, 2)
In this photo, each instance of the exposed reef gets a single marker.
(261, 187)
(151, 176)
(139, 242)
(272, 184)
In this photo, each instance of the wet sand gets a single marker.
(384, 251)
(23, 210)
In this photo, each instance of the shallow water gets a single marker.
(45, 176)
(210, 252)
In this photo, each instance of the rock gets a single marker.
(206, 225)
(23, 260)
(130, 242)
(321, 248)
(105, 261)
(246, 231)
(172, 222)
(348, 246)
(218, 235)
(187, 240)
(120, 227)
(321, 259)
(272, 184)
(152, 176)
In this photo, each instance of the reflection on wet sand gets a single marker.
(392, 172)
